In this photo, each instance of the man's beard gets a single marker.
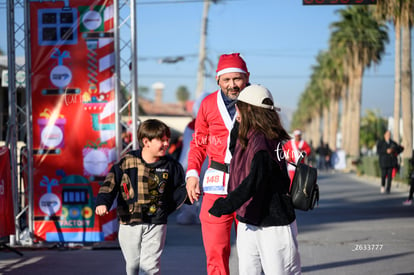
(231, 91)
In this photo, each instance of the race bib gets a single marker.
(215, 182)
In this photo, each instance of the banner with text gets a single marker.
(72, 65)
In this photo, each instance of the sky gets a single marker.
(279, 41)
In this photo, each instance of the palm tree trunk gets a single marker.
(316, 126)
(344, 118)
(397, 82)
(355, 105)
(333, 121)
(309, 130)
(325, 133)
(347, 136)
(406, 90)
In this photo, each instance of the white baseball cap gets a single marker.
(255, 94)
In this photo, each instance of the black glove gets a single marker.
(217, 208)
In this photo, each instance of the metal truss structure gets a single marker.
(20, 118)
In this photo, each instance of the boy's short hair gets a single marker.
(152, 128)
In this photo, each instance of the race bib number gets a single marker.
(215, 181)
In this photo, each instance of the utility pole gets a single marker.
(202, 52)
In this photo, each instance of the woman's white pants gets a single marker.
(273, 249)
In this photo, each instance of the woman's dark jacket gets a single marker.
(259, 184)
(388, 160)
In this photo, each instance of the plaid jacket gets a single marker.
(146, 193)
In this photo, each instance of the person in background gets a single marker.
(188, 214)
(126, 137)
(175, 148)
(259, 190)
(294, 148)
(148, 186)
(327, 157)
(387, 150)
(324, 156)
(211, 139)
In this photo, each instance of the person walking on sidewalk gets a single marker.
(259, 185)
(409, 201)
(387, 150)
(211, 138)
(148, 186)
(324, 156)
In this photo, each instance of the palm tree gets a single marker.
(373, 128)
(324, 86)
(340, 82)
(401, 13)
(407, 17)
(308, 115)
(363, 39)
(331, 70)
(302, 118)
(182, 94)
(391, 10)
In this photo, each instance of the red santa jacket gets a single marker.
(293, 149)
(211, 134)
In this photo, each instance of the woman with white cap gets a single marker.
(259, 185)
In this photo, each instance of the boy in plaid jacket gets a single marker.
(149, 186)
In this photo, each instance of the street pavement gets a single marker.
(354, 230)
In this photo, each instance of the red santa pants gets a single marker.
(216, 237)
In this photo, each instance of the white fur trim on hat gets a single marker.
(297, 133)
(230, 70)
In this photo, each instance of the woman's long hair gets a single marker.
(266, 121)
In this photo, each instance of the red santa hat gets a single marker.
(231, 63)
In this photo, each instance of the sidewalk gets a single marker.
(356, 229)
(183, 254)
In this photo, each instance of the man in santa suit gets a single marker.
(295, 148)
(211, 138)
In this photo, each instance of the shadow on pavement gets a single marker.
(345, 199)
(351, 262)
